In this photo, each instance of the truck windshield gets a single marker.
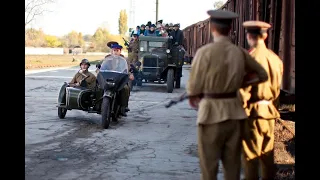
(157, 44)
(152, 45)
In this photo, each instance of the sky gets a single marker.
(87, 15)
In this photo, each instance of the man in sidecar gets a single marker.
(84, 78)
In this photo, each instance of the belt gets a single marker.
(260, 102)
(220, 95)
(263, 102)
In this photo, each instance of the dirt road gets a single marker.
(151, 143)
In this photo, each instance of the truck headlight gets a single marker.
(168, 51)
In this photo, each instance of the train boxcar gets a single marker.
(281, 37)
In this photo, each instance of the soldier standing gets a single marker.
(133, 49)
(177, 35)
(258, 133)
(216, 76)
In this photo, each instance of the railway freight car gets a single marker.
(281, 39)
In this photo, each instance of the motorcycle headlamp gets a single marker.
(109, 85)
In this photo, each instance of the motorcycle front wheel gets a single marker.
(105, 112)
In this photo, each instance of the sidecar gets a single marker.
(78, 98)
(111, 79)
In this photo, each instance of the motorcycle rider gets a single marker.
(125, 92)
(78, 77)
(109, 44)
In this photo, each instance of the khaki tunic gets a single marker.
(134, 50)
(91, 80)
(268, 90)
(258, 136)
(220, 67)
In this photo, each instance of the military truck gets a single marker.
(160, 61)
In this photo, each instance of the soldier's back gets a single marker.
(270, 89)
(222, 65)
(225, 67)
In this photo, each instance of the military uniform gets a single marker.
(258, 136)
(133, 51)
(124, 93)
(91, 80)
(109, 44)
(216, 77)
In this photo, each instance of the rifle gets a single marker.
(179, 99)
(126, 43)
(82, 83)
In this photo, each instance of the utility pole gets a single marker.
(157, 10)
(132, 14)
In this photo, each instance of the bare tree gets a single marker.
(34, 8)
(218, 4)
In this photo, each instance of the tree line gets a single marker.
(96, 42)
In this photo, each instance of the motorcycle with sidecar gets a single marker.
(103, 99)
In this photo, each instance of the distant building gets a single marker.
(77, 50)
(88, 44)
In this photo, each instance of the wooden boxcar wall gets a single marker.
(281, 37)
(195, 36)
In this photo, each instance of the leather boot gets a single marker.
(127, 109)
(123, 112)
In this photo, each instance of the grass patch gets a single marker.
(46, 61)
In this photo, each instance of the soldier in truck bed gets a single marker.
(177, 35)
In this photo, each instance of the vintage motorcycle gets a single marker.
(111, 78)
